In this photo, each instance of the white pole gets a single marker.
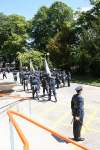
(30, 112)
(17, 107)
(11, 135)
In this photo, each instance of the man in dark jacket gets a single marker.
(45, 85)
(52, 88)
(77, 106)
(4, 75)
(68, 78)
(35, 87)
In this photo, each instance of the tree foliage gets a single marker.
(60, 47)
(72, 39)
(35, 56)
(13, 36)
(39, 29)
(48, 22)
(5, 30)
(94, 1)
(88, 32)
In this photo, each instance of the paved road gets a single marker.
(58, 115)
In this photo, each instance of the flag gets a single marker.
(47, 68)
(31, 66)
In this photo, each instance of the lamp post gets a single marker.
(47, 56)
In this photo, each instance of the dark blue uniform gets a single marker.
(52, 88)
(35, 88)
(77, 106)
(15, 76)
(31, 79)
(25, 81)
(4, 75)
(57, 80)
(68, 78)
(45, 85)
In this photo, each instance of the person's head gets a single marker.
(79, 89)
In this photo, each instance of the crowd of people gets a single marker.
(49, 83)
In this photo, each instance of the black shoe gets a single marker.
(79, 139)
(55, 101)
(49, 99)
(38, 98)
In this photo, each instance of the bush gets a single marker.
(95, 67)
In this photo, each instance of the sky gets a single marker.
(28, 8)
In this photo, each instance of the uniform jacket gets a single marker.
(77, 105)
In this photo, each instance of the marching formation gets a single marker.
(48, 82)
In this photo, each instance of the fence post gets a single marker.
(11, 135)
(17, 107)
(30, 112)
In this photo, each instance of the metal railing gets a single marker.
(19, 131)
(26, 145)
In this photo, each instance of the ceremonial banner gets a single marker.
(31, 66)
(47, 68)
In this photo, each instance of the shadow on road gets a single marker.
(58, 139)
(6, 88)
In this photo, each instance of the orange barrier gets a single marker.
(20, 133)
(67, 139)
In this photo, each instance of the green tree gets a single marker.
(88, 33)
(48, 22)
(39, 29)
(60, 47)
(94, 1)
(58, 15)
(35, 56)
(5, 30)
(14, 31)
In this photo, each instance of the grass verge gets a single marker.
(86, 80)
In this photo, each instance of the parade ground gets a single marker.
(56, 116)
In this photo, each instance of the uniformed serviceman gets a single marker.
(31, 79)
(63, 77)
(4, 74)
(15, 76)
(68, 78)
(20, 77)
(57, 79)
(52, 88)
(35, 87)
(26, 81)
(77, 106)
(45, 85)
